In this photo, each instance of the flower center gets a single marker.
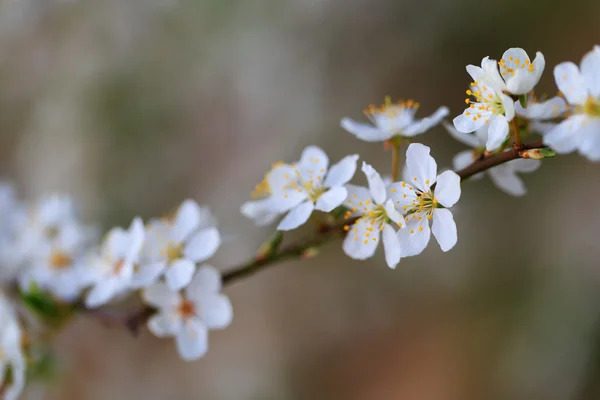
(485, 101)
(51, 232)
(515, 64)
(315, 192)
(186, 309)
(591, 107)
(422, 206)
(173, 251)
(392, 117)
(60, 260)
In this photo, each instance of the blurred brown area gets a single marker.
(134, 105)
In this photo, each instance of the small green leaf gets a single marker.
(523, 100)
(45, 306)
(547, 152)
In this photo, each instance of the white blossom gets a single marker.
(520, 74)
(189, 316)
(113, 267)
(504, 176)
(299, 189)
(581, 87)
(378, 217)
(490, 105)
(421, 202)
(11, 353)
(391, 120)
(173, 246)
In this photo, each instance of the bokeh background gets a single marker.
(134, 105)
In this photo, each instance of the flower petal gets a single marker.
(365, 132)
(505, 178)
(103, 292)
(566, 137)
(136, 238)
(179, 273)
(331, 199)
(415, 237)
(520, 75)
(186, 220)
(202, 245)
(463, 160)
(164, 325)
(215, 311)
(497, 133)
(465, 138)
(444, 228)
(284, 202)
(590, 145)
(314, 159)
(509, 107)
(362, 240)
(261, 211)
(421, 167)
(376, 185)
(524, 165)
(192, 340)
(570, 82)
(492, 75)
(339, 174)
(467, 123)
(207, 280)
(549, 109)
(146, 274)
(590, 70)
(423, 125)
(391, 245)
(393, 214)
(358, 199)
(160, 296)
(296, 217)
(402, 194)
(447, 190)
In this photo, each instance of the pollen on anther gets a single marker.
(346, 228)
(366, 241)
(420, 229)
(411, 231)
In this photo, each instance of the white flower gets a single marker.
(377, 214)
(301, 188)
(540, 111)
(581, 88)
(393, 119)
(490, 106)
(11, 353)
(421, 202)
(188, 317)
(504, 176)
(12, 220)
(519, 73)
(173, 247)
(113, 268)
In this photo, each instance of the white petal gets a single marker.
(509, 107)
(146, 274)
(339, 174)
(358, 199)
(136, 237)
(215, 311)
(261, 211)
(102, 292)
(463, 160)
(506, 179)
(160, 296)
(590, 145)
(497, 133)
(192, 340)
(421, 167)
(164, 325)
(476, 72)
(524, 165)
(331, 199)
(362, 240)
(549, 109)
(415, 237)
(466, 138)
(314, 158)
(447, 190)
(179, 273)
(376, 185)
(202, 245)
(565, 137)
(116, 244)
(206, 281)
(521, 77)
(492, 75)
(296, 217)
(402, 194)
(365, 132)
(291, 198)
(186, 220)
(423, 125)
(467, 123)
(590, 70)
(393, 214)
(280, 178)
(444, 228)
(570, 82)
(391, 245)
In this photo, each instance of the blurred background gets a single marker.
(135, 105)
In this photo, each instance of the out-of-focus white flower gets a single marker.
(504, 176)
(541, 111)
(491, 106)
(113, 268)
(300, 188)
(188, 317)
(377, 214)
(581, 87)
(12, 219)
(421, 202)
(54, 246)
(393, 119)
(12, 360)
(519, 72)
(174, 246)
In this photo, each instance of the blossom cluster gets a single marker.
(46, 248)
